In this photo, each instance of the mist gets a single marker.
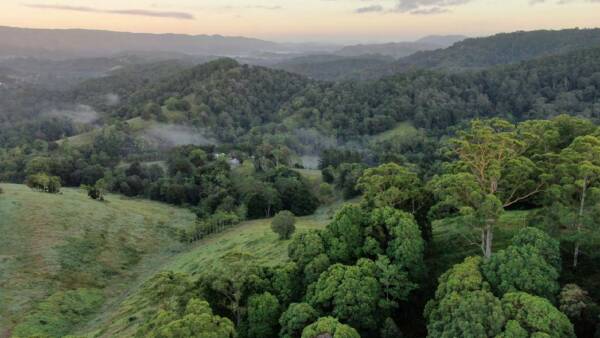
(172, 135)
(81, 113)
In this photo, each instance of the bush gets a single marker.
(284, 224)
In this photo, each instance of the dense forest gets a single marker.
(457, 203)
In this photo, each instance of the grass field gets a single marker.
(404, 129)
(34, 226)
(254, 237)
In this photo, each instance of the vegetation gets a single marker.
(283, 224)
(445, 204)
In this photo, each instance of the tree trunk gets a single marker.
(489, 236)
(579, 222)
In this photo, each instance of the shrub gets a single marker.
(284, 224)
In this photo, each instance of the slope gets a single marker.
(68, 241)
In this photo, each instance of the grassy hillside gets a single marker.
(66, 241)
(254, 237)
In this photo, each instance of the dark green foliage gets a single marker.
(329, 327)
(284, 224)
(350, 293)
(305, 247)
(263, 314)
(60, 313)
(464, 307)
(295, 319)
(344, 237)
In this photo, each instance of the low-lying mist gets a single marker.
(172, 135)
(81, 113)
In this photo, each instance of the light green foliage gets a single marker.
(168, 285)
(536, 315)
(60, 313)
(350, 293)
(463, 305)
(329, 327)
(344, 236)
(463, 277)
(263, 315)
(284, 224)
(44, 183)
(195, 321)
(521, 269)
(390, 185)
(540, 241)
(295, 319)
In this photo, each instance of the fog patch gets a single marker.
(112, 99)
(310, 162)
(82, 113)
(172, 135)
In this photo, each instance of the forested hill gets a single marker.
(435, 100)
(237, 98)
(500, 49)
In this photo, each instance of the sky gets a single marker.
(337, 21)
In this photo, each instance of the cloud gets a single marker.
(427, 6)
(369, 9)
(416, 7)
(430, 11)
(137, 12)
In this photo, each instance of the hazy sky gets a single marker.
(305, 20)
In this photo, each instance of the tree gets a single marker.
(295, 319)
(535, 316)
(490, 174)
(350, 293)
(577, 188)
(463, 305)
(344, 237)
(263, 315)
(390, 185)
(573, 301)
(196, 321)
(329, 327)
(283, 224)
(521, 269)
(44, 183)
(394, 233)
(305, 246)
(229, 284)
(540, 241)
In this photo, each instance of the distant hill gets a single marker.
(68, 43)
(393, 49)
(500, 49)
(401, 49)
(442, 40)
(332, 67)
